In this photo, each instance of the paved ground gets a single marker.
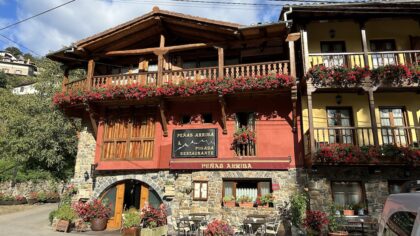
(34, 222)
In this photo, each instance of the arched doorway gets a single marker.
(128, 194)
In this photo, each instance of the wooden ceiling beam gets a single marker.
(158, 50)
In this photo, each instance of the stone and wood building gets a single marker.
(185, 111)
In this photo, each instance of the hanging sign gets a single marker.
(194, 143)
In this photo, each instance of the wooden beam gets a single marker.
(373, 117)
(293, 37)
(158, 50)
(294, 93)
(223, 112)
(364, 43)
(306, 63)
(90, 73)
(310, 89)
(221, 60)
(163, 118)
(292, 60)
(92, 118)
(160, 61)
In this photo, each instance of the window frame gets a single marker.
(130, 116)
(351, 117)
(235, 184)
(201, 198)
(392, 123)
(362, 186)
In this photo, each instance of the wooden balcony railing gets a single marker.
(361, 137)
(244, 150)
(176, 76)
(375, 59)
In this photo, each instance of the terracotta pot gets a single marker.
(338, 233)
(133, 231)
(246, 204)
(348, 212)
(98, 224)
(229, 204)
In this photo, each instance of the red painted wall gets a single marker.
(274, 135)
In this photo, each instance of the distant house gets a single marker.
(16, 66)
(24, 89)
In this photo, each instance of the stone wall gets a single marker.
(84, 159)
(374, 181)
(182, 203)
(25, 188)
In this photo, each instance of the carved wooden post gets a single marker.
(368, 86)
(221, 58)
(163, 118)
(364, 43)
(65, 80)
(223, 111)
(310, 89)
(90, 73)
(160, 61)
(306, 63)
(292, 59)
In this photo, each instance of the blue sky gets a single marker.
(83, 18)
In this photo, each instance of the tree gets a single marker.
(14, 51)
(34, 134)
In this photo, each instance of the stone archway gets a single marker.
(104, 182)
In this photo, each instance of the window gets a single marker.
(200, 190)
(333, 47)
(207, 118)
(383, 59)
(246, 187)
(396, 186)
(347, 193)
(129, 136)
(400, 224)
(393, 123)
(245, 122)
(340, 120)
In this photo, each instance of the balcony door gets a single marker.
(333, 47)
(340, 122)
(392, 126)
(383, 59)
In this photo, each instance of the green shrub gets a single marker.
(131, 218)
(52, 215)
(298, 206)
(65, 212)
(42, 196)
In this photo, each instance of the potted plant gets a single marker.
(315, 222)
(42, 197)
(131, 222)
(348, 210)
(245, 201)
(6, 199)
(241, 138)
(154, 221)
(95, 211)
(32, 198)
(360, 208)
(52, 197)
(265, 201)
(336, 222)
(229, 201)
(65, 215)
(20, 199)
(218, 228)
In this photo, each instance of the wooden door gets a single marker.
(144, 195)
(115, 221)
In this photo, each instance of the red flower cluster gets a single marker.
(315, 220)
(218, 228)
(350, 154)
(343, 77)
(337, 76)
(92, 210)
(243, 136)
(152, 217)
(395, 74)
(185, 88)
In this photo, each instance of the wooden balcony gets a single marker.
(177, 76)
(374, 59)
(362, 138)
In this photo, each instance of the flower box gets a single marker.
(263, 206)
(348, 212)
(133, 231)
(229, 204)
(32, 201)
(158, 231)
(246, 204)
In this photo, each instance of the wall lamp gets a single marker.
(338, 99)
(86, 175)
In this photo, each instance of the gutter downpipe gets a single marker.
(285, 16)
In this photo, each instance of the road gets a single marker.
(34, 222)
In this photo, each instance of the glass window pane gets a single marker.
(400, 223)
(154, 199)
(228, 188)
(110, 197)
(204, 190)
(197, 190)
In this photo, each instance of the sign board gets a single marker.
(194, 143)
(275, 187)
